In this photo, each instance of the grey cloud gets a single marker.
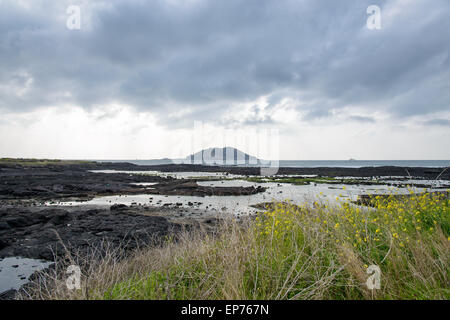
(362, 119)
(437, 122)
(317, 114)
(205, 55)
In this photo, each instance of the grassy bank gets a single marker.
(316, 251)
(41, 162)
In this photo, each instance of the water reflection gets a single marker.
(297, 194)
(15, 271)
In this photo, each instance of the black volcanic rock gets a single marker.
(8, 295)
(118, 207)
(191, 188)
(51, 231)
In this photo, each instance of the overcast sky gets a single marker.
(131, 82)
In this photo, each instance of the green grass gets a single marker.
(40, 162)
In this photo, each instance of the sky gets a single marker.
(137, 79)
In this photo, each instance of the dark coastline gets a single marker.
(419, 172)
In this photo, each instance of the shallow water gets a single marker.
(297, 194)
(144, 184)
(15, 271)
(431, 183)
(241, 204)
(228, 183)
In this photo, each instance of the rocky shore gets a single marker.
(53, 234)
(77, 183)
(48, 233)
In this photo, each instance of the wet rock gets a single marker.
(4, 226)
(17, 222)
(3, 244)
(118, 207)
(59, 218)
(78, 230)
(8, 295)
(191, 188)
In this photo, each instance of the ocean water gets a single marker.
(323, 163)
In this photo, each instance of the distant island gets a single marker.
(221, 156)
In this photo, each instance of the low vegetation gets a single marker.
(39, 162)
(313, 251)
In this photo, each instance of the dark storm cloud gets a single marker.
(196, 58)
